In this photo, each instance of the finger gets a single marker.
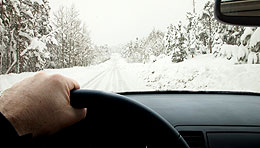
(84, 113)
(69, 117)
(72, 84)
(76, 84)
(77, 115)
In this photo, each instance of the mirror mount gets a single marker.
(235, 19)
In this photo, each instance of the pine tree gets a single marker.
(192, 34)
(179, 47)
(208, 22)
(169, 38)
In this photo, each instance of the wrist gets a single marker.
(7, 129)
(12, 113)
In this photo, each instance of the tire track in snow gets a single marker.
(108, 85)
(103, 82)
(122, 83)
(117, 77)
(94, 79)
(110, 79)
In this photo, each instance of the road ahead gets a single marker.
(117, 76)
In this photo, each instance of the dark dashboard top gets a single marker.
(208, 109)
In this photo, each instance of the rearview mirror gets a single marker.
(238, 12)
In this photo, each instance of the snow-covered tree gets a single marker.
(179, 52)
(175, 42)
(75, 44)
(253, 45)
(192, 34)
(154, 43)
(170, 37)
(99, 54)
(140, 50)
(23, 23)
(206, 26)
(134, 51)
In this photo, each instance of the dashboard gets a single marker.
(203, 119)
(209, 120)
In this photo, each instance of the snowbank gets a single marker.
(230, 52)
(255, 38)
(204, 73)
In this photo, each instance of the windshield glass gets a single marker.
(128, 45)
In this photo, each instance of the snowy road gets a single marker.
(109, 79)
(116, 76)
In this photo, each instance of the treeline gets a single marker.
(140, 50)
(30, 42)
(75, 47)
(203, 34)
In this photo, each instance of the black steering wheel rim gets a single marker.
(127, 109)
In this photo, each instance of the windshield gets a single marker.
(128, 45)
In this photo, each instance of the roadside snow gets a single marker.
(203, 73)
(229, 51)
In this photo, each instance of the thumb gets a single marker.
(69, 117)
(79, 114)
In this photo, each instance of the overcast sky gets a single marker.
(115, 22)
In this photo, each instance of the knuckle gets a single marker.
(56, 78)
(40, 74)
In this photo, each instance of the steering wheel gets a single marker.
(115, 121)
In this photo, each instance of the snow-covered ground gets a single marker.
(201, 73)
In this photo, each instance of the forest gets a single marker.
(30, 41)
(203, 34)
